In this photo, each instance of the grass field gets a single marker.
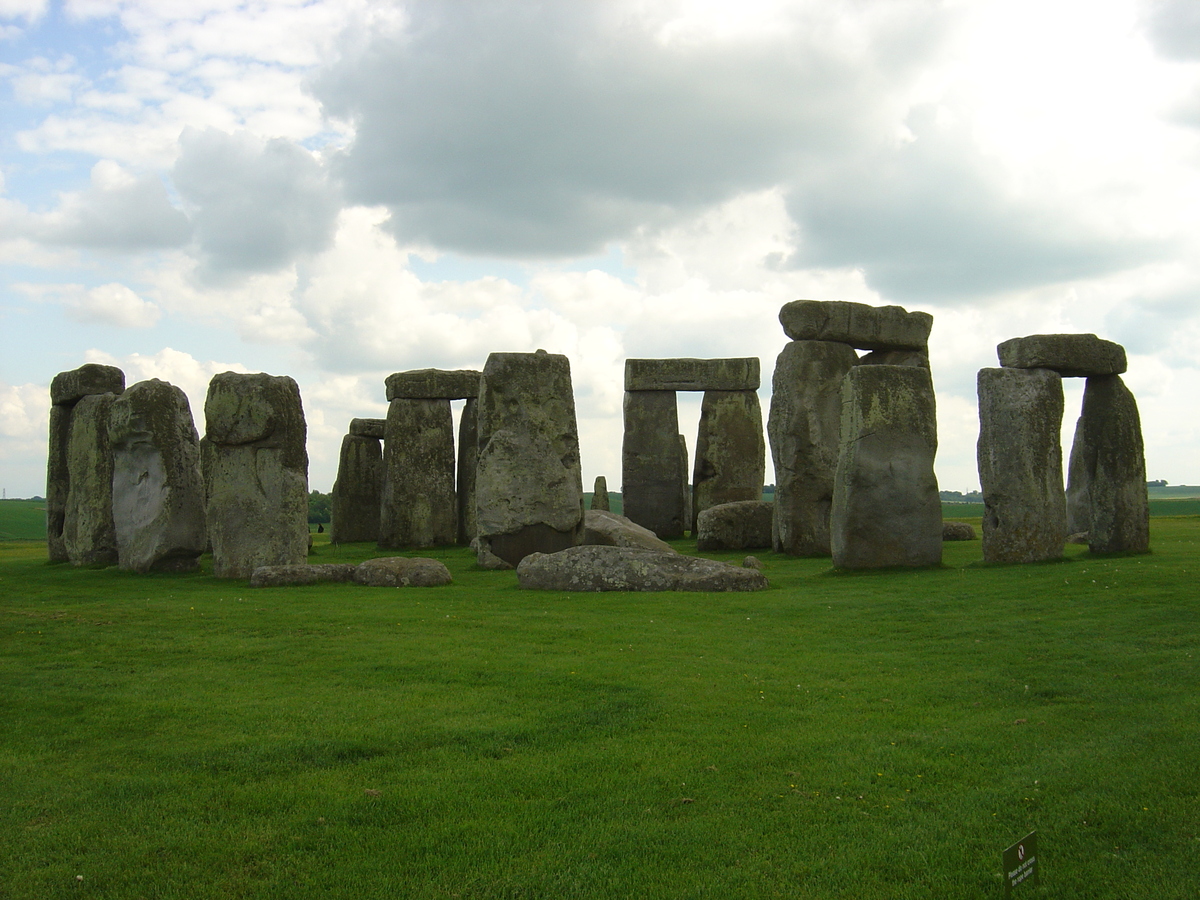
(837, 736)
(22, 520)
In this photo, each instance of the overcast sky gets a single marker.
(341, 189)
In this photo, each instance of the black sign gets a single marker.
(1021, 863)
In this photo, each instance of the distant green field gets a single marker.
(1174, 492)
(22, 520)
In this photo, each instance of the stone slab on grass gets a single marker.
(401, 571)
(304, 573)
(592, 568)
(607, 529)
(742, 525)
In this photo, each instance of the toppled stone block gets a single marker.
(957, 531)
(607, 529)
(731, 452)
(399, 571)
(1020, 464)
(886, 510)
(692, 374)
(744, 525)
(368, 428)
(68, 388)
(157, 488)
(653, 473)
(290, 576)
(805, 432)
(630, 569)
(433, 384)
(1072, 355)
(857, 324)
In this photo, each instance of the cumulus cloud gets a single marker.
(1174, 27)
(255, 205)
(107, 304)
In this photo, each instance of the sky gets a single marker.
(341, 189)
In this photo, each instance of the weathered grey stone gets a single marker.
(468, 460)
(68, 388)
(597, 568)
(918, 358)
(652, 472)
(1108, 468)
(805, 431)
(157, 487)
(486, 559)
(743, 525)
(692, 374)
(957, 531)
(600, 494)
(89, 535)
(305, 573)
(433, 384)
(529, 487)
(1067, 354)
(857, 324)
(731, 453)
(1078, 537)
(753, 562)
(1020, 464)
(58, 482)
(886, 510)
(1079, 487)
(607, 529)
(357, 492)
(419, 507)
(256, 466)
(398, 571)
(369, 428)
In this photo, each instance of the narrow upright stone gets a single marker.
(886, 510)
(419, 507)
(529, 487)
(652, 472)
(805, 431)
(257, 471)
(1108, 468)
(731, 454)
(1020, 464)
(354, 506)
(157, 488)
(600, 494)
(468, 460)
(89, 535)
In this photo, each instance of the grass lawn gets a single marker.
(866, 735)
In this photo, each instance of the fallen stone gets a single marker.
(486, 559)
(804, 428)
(731, 452)
(433, 384)
(630, 569)
(399, 571)
(743, 525)
(157, 488)
(287, 576)
(1020, 464)
(354, 505)
(418, 506)
(600, 499)
(369, 428)
(886, 510)
(605, 528)
(1072, 355)
(1079, 537)
(957, 531)
(857, 324)
(68, 388)
(653, 474)
(753, 562)
(692, 374)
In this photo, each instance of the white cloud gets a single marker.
(112, 304)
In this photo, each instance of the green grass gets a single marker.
(22, 520)
(854, 735)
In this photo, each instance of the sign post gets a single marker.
(1020, 864)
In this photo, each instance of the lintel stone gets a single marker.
(369, 428)
(433, 384)
(861, 326)
(739, 374)
(1071, 355)
(68, 388)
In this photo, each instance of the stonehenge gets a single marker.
(1027, 515)
(355, 500)
(730, 460)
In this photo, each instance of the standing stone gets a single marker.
(157, 488)
(89, 535)
(66, 390)
(257, 473)
(354, 506)
(652, 471)
(419, 507)
(1020, 464)
(886, 510)
(1079, 486)
(529, 487)
(600, 495)
(468, 460)
(731, 454)
(685, 484)
(1108, 467)
(805, 430)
